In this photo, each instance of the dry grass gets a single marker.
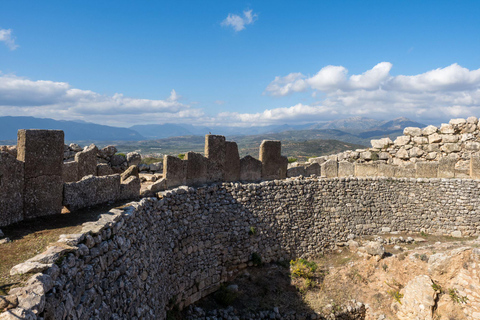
(31, 237)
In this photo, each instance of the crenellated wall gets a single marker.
(158, 252)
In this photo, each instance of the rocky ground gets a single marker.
(385, 277)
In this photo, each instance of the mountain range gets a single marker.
(358, 130)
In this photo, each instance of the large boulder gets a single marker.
(133, 158)
(418, 299)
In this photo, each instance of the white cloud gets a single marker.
(439, 94)
(6, 36)
(237, 22)
(21, 96)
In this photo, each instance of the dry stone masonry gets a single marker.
(181, 246)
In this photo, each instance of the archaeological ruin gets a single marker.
(191, 234)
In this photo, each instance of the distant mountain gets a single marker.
(74, 130)
(352, 124)
(391, 129)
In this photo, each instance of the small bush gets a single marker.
(303, 268)
(395, 294)
(437, 288)
(456, 298)
(292, 159)
(121, 154)
(424, 234)
(181, 155)
(150, 160)
(252, 231)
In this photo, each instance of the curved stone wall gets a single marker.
(160, 252)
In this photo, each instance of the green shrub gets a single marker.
(292, 159)
(303, 268)
(181, 155)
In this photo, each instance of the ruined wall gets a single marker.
(133, 264)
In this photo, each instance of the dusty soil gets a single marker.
(31, 237)
(350, 274)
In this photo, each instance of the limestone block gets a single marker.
(457, 122)
(103, 169)
(472, 146)
(366, 155)
(107, 152)
(42, 152)
(431, 155)
(130, 188)
(70, 171)
(158, 185)
(450, 147)
(475, 166)
(386, 170)
(418, 299)
(404, 172)
(402, 154)
(156, 166)
(215, 151)
(415, 152)
(383, 156)
(91, 191)
(232, 161)
(381, 143)
(312, 169)
(274, 165)
(11, 189)
(329, 169)
(196, 169)
(366, 169)
(472, 119)
(346, 169)
(434, 138)
(250, 169)
(429, 130)
(175, 171)
(118, 160)
(467, 137)
(318, 160)
(412, 131)
(131, 171)
(87, 161)
(426, 169)
(449, 138)
(447, 129)
(296, 171)
(446, 167)
(133, 158)
(402, 140)
(434, 147)
(469, 128)
(43, 196)
(420, 140)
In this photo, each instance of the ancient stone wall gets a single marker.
(174, 250)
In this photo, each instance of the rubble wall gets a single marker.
(172, 251)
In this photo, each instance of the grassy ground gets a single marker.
(31, 237)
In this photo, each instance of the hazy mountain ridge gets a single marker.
(356, 130)
(74, 131)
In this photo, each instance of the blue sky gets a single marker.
(239, 63)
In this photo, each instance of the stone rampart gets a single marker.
(175, 250)
(33, 184)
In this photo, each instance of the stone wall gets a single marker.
(33, 184)
(174, 250)
(454, 143)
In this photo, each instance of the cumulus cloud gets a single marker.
(237, 22)
(20, 96)
(439, 94)
(7, 37)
